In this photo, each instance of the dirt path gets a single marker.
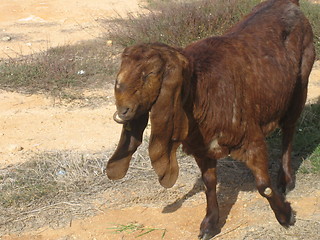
(50, 125)
(35, 123)
(34, 25)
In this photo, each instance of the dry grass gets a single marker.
(53, 188)
(50, 189)
(179, 23)
(86, 65)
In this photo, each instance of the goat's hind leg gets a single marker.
(285, 176)
(257, 161)
(209, 225)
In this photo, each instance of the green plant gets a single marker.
(306, 145)
(136, 227)
(312, 12)
(307, 139)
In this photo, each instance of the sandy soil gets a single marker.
(50, 125)
(35, 123)
(30, 26)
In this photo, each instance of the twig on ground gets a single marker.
(227, 232)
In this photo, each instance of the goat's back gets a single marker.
(250, 75)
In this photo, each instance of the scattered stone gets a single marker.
(6, 39)
(32, 18)
(81, 72)
(109, 43)
(15, 148)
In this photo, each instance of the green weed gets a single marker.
(312, 12)
(306, 145)
(136, 227)
(307, 139)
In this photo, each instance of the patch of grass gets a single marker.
(136, 227)
(307, 139)
(51, 188)
(306, 145)
(47, 177)
(312, 12)
(88, 64)
(179, 23)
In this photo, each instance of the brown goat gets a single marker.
(219, 96)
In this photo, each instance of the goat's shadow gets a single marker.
(233, 176)
(172, 207)
(228, 188)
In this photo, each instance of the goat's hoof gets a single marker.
(292, 219)
(289, 220)
(206, 235)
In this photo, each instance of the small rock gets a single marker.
(109, 43)
(6, 39)
(61, 172)
(15, 148)
(81, 72)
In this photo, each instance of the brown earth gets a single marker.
(34, 25)
(36, 123)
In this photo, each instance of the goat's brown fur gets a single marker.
(219, 96)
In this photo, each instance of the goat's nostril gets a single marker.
(125, 111)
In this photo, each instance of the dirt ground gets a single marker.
(36, 123)
(30, 26)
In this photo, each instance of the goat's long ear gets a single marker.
(169, 123)
(130, 140)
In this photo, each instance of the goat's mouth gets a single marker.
(127, 114)
(124, 114)
(117, 119)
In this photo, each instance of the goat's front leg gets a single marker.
(257, 161)
(209, 224)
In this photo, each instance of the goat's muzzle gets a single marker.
(117, 119)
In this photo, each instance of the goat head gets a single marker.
(150, 80)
